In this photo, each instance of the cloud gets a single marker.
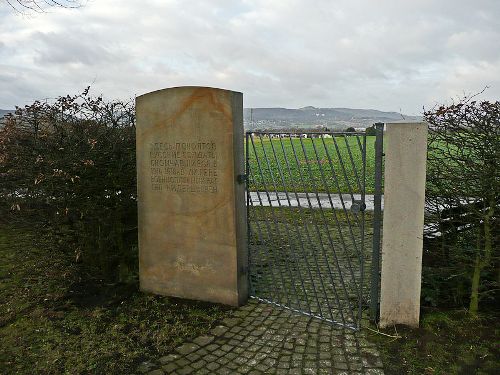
(62, 48)
(387, 54)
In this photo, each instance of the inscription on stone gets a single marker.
(184, 167)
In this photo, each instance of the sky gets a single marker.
(393, 55)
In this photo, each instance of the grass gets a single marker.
(295, 164)
(448, 342)
(54, 320)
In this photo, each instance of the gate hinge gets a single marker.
(241, 178)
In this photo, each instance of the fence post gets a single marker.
(404, 203)
(377, 219)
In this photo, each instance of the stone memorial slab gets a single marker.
(192, 214)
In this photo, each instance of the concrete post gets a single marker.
(404, 203)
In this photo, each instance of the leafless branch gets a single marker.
(26, 7)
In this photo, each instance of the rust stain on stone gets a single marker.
(199, 94)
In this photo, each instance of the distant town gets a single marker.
(320, 119)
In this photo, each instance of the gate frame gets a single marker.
(374, 285)
(377, 222)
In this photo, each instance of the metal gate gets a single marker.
(306, 223)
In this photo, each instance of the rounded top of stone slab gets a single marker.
(190, 88)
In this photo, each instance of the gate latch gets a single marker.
(358, 206)
(241, 178)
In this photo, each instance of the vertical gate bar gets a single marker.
(287, 296)
(308, 236)
(272, 292)
(272, 285)
(359, 143)
(344, 171)
(324, 252)
(353, 164)
(339, 227)
(280, 171)
(287, 231)
(346, 177)
(358, 183)
(377, 216)
(339, 189)
(317, 231)
(363, 198)
(247, 189)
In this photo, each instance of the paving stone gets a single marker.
(145, 367)
(252, 362)
(199, 364)
(219, 330)
(213, 366)
(192, 357)
(223, 360)
(168, 358)
(218, 353)
(231, 322)
(325, 355)
(182, 362)
(244, 369)
(310, 357)
(232, 365)
(212, 347)
(310, 364)
(203, 340)
(311, 350)
(187, 348)
(226, 348)
(262, 339)
(201, 371)
(248, 354)
(270, 362)
(309, 371)
(288, 345)
(170, 367)
(202, 352)
(374, 371)
(341, 365)
(283, 365)
(262, 367)
(325, 371)
(185, 370)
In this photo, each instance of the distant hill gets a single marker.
(310, 117)
(3, 112)
(334, 118)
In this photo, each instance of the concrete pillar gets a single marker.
(404, 203)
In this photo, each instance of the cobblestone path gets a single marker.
(262, 339)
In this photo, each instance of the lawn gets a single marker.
(448, 342)
(56, 320)
(309, 164)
